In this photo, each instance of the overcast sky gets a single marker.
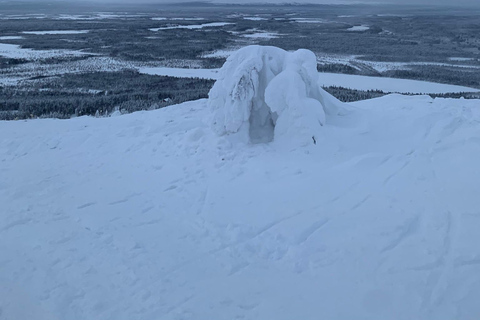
(398, 2)
(424, 2)
(427, 2)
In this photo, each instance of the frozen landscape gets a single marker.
(155, 215)
(145, 56)
(245, 187)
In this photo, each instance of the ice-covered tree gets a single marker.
(266, 93)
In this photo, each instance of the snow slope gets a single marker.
(153, 216)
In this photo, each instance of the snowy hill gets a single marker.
(152, 215)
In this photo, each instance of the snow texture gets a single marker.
(266, 93)
(152, 215)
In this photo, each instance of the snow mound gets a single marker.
(266, 93)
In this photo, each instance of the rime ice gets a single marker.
(266, 93)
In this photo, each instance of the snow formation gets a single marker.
(266, 93)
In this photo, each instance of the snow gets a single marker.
(192, 19)
(389, 84)
(461, 59)
(193, 27)
(262, 35)
(97, 16)
(179, 19)
(255, 18)
(22, 17)
(11, 38)
(265, 93)
(359, 28)
(381, 66)
(25, 71)
(220, 53)
(180, 72)
(328, 79)
(309, 20)
(15, 51)
(56, 32)
(153, 216)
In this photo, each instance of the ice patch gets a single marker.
(266, 93)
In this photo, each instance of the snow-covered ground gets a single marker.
(90, 16)
(461, 59)
(255, 18)
(357, 62)
(359, 28)
(309, 20)
(12, 76)
(381, 66)
(177, 19)
(152, 216)
(180, 72)
(16, 74)
(22, 17)
(11, 38)
(15, 51)
(193, 27)
(261, 35)
(220, 53)
(332, 79)
(97, 16)
(49, 32)
(389, 84)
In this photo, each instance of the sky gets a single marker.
(397, 2)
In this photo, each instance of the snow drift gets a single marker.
(266, 93)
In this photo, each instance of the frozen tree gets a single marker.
(266, 93)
